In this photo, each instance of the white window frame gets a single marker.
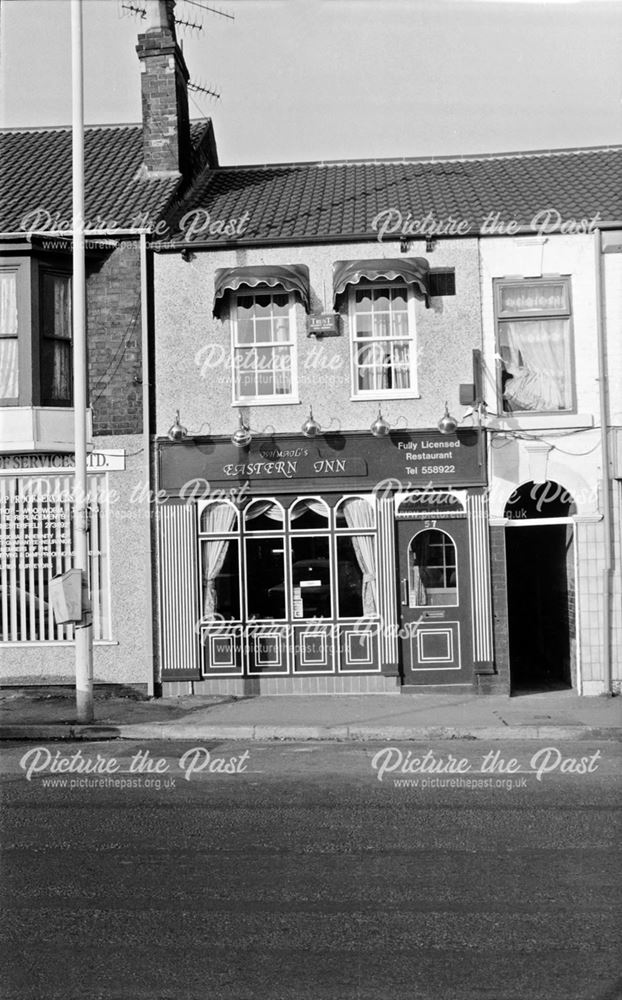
(565, 314)
(292, 343)
(413, 390)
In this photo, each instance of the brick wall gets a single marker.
(166, 122)
(570, 609)
(501, 681)
(114, 342)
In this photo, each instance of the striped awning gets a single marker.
(281, 277)
(410, 270)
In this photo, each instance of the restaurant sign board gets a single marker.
(356, 461)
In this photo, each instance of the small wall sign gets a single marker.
(324, 325)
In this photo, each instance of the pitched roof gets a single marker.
(35, 175)
(295, 202)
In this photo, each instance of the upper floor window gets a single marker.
(56, 346)
(534, 345)
(264, 347)
(35, 334)
(9, 363)
(382, 329)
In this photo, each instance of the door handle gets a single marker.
(404, 591)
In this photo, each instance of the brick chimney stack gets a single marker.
(164, 85)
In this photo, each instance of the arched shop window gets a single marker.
(309, 561)
(264, 559)
(220, 578)
(312, 594)
(432, 569)
(309, 514)
(355, 522)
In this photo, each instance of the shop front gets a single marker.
(339, 563)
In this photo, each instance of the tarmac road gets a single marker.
(290, 871)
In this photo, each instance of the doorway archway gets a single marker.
(539, 545)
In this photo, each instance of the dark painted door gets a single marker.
(434, 588)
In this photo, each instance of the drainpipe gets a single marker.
(144, 321)
(604, 450)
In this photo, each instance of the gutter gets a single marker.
(605, 460)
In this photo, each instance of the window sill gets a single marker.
(541, 421)
(26, 429)
(267, 401)
(376, 396)
(21, 643)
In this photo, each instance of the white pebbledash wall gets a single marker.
(573, 460)
(184, 293)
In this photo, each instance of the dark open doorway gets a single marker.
(540, 606)
(541, 588)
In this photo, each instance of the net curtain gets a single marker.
(8, 337)
(537, 365)
(216, 519)
(360, 516)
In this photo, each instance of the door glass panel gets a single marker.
(432, 570)
(265, 577)
(311, 577)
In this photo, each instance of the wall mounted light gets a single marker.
(187, 256)
(404, 245)
(242, 436)
(447, 424)
(311, 428)
(430, 244)
(177, 432)
(380, 427)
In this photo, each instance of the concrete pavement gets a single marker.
(38, 714)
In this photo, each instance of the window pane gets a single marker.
(56, 320)
(400, 324)
(246, 331)
(432, 573)
(399, 299)
(280, 305)
(308, 514)
(221, 582)
(535, 297)
(362, 299)
(311, 577)
(263, 330)
(364, 326)
(8, 304)
(265, 577)
(349, 580)
(381, 300)
(56, 375)
(262, 515)
(246, 384)
(536, 372)
(8, 368)
(262, 305)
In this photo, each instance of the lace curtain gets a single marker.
(8, 337)
(216, 519)
(359, 515)
(538, 365)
